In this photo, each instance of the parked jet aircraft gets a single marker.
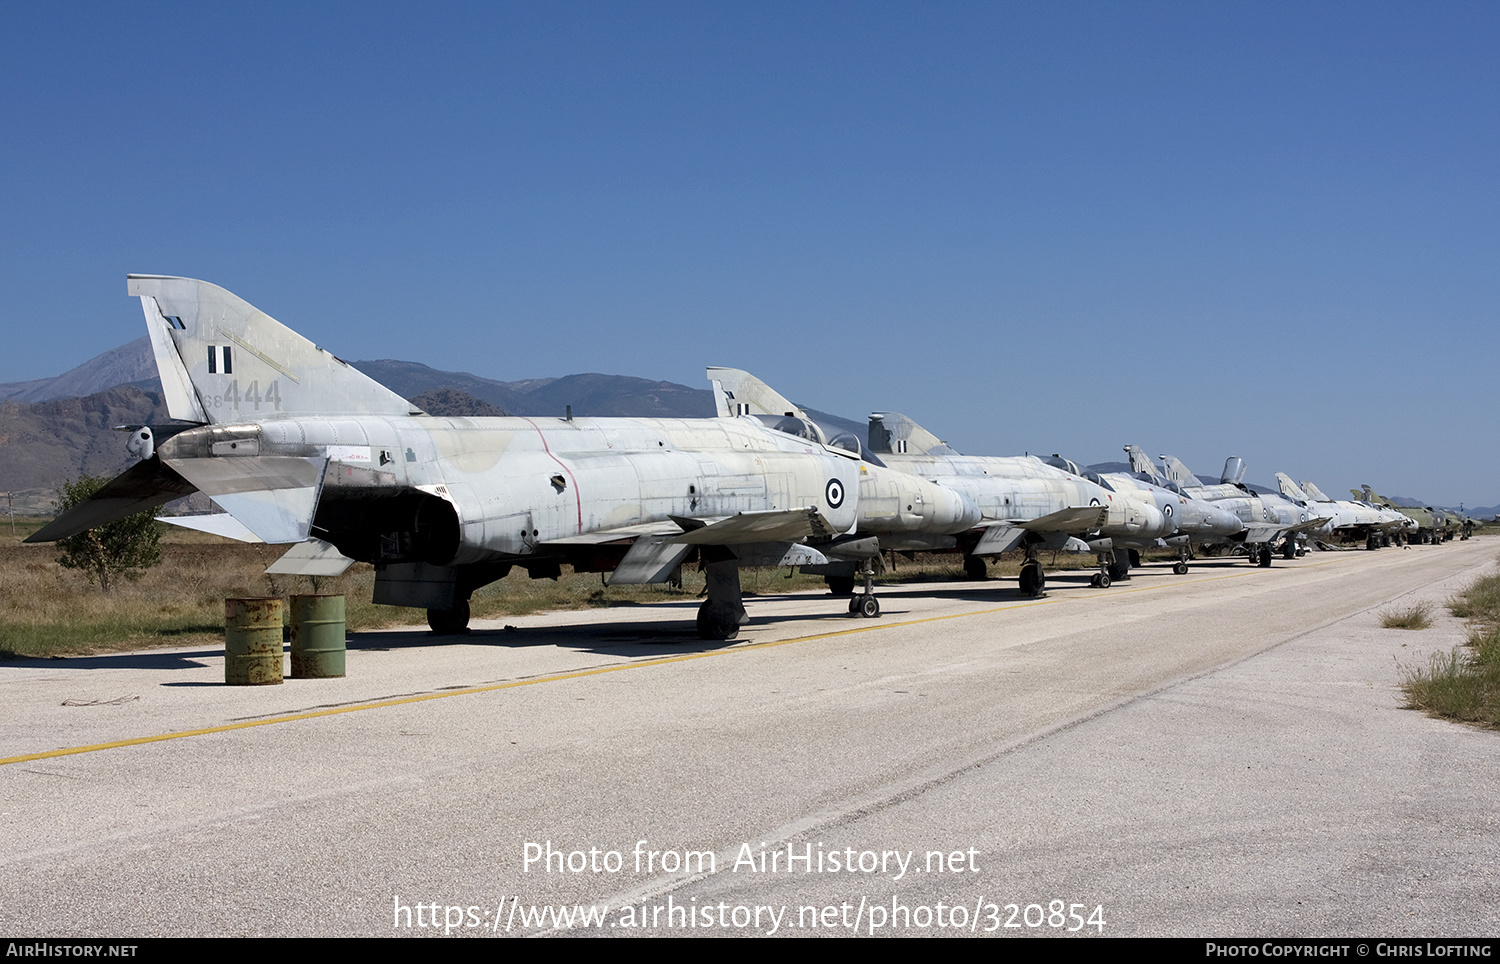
(294, 444)
(1192, 522)
(1267, 518)
(1349, 521)
(1431, 524)
(903, 511)
(1024, 501)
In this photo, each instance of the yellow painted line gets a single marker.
(577, 674)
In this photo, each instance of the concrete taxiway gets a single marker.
(1222, 753)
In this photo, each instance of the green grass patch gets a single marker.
(1415, 616)
(1464, 684)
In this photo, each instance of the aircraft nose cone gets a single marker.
(957, 510)
(1225, 523)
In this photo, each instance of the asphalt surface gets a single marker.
(1218, 754)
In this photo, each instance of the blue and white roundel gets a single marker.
(835, 493)
(1168, 510)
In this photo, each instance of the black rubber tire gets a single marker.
(1032, 580)
(975, 569)
(711, 628)
(449, 622)
(1181, 569)
(840, 585)
(869, 606)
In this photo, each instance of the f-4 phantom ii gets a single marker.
(1024, 502)
(1432, 525)
(1191, 521)
(298, 447)
(902, 511)
(1349, 521)
(1029, 502)
(1267, 518)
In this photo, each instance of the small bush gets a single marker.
(1415, 616)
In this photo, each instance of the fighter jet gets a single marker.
(1193, 522)
(1266, 517)
(297, 447)
(901, 511)
(1431, 525)
(1349, 521)
(1024, 501)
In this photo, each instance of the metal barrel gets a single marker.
(252, 642)
(317, 637)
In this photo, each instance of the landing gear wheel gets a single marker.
(712, 625)
(975, 569)
(869, 607)
(1032, 579)
(1180, 569)
(854, 606)
(1264, 558)
(449, 622)
(840, 585)
(1100, 580)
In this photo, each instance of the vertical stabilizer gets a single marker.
(1314, 491)
(1291, 489)
(738, 392)
(1178, 472)
(899, 435)
(223, 360)
(1140, 461)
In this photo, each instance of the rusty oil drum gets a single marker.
(317, 637)
(252, 642)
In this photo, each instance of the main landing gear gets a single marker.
(1033, 581)
(449, 622)
(865, 604)
(723, 612)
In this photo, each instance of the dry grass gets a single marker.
(46, 610)
(1415, 616)
(1465, 684)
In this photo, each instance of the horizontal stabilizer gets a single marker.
(274, 496)
(311, 558)
(145, 485)
(214, 523)
(772, 525)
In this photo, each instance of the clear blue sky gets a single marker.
(1260, 229)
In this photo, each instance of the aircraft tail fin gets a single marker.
(1140, 461)
(899, 435)
(1313, 491)
(1177, 472)
(1290, 489)
(223, 360)
(738, 392)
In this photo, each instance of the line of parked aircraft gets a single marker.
(297, 447)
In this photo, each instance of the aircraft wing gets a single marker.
(145, 485)
(770, 525)
(1083, 518)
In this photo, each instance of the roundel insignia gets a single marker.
(1168, 511)
(1093, 502)
(835, 493)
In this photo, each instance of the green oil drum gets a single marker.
(317, 637)
(252, 642)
